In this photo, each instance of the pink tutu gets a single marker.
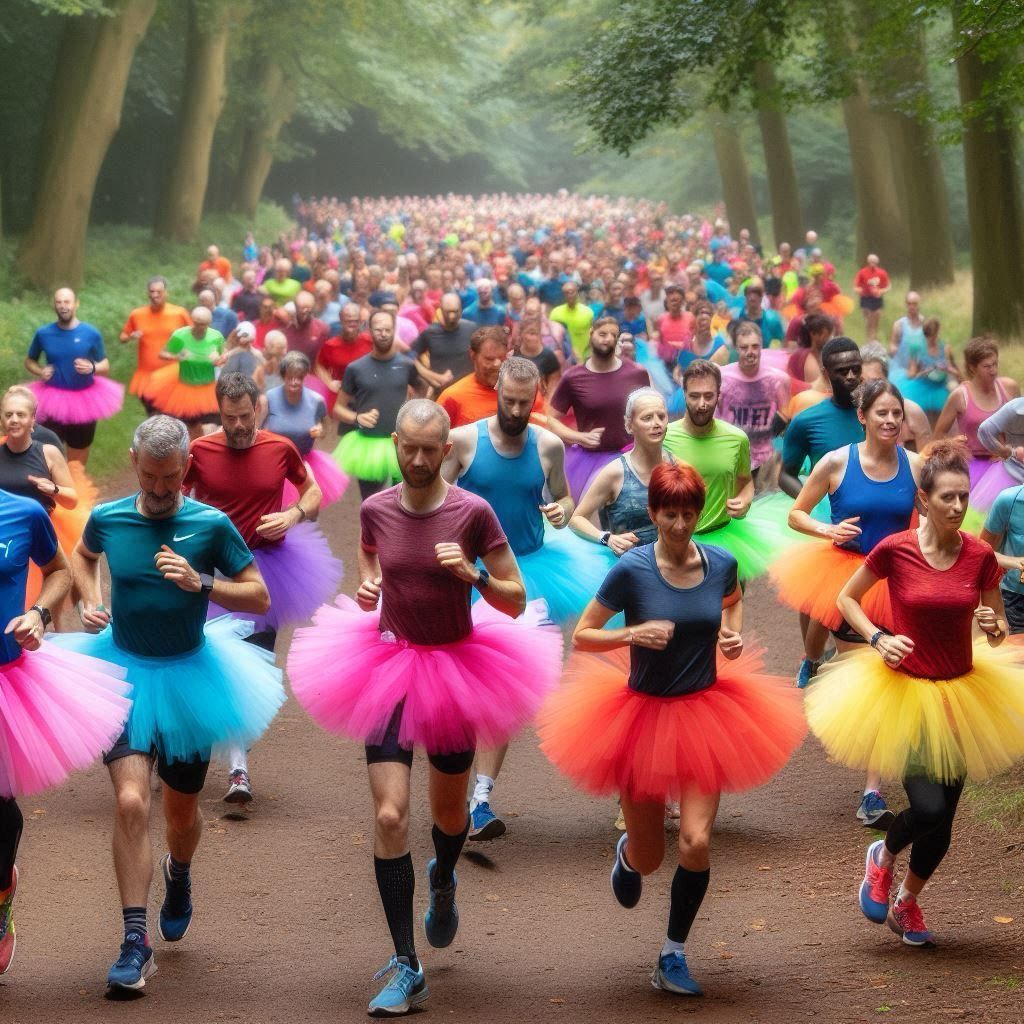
(314, 383)
(102, 399)
(59, 711)
(329, 478)
(776, 358)
(989, 485)
(476, 692)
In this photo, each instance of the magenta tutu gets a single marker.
(301, 574)
(582, 465)
(102, 399)
(314, 383)
(58, 712)
(994, 480)
(477, 692)
(329, 478)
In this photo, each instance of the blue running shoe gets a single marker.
(907, 921)
(672, 975)
(135, 964)
(874, 811)
(404, 989)
(176, 913)
(484, 824)
(806, 673)
(441, 920)
(874, 890)
(627, 884)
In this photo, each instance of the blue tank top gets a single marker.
(512, 485)
(884, 506)
(628, 512)
(910, 336)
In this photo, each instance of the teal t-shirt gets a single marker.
(150, 615)
(817, 431)
(1006, 517)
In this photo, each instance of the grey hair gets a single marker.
(423, 412)
(294, 361)
(639, 395)
(520, 370)
(161, 436)
(874, 352)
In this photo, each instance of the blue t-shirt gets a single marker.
(26, 535)
(1006, 517)
(635, 586)
(817, 431)
(152, 616)
(223, 319)
(719, 272)
(62, 346)
(493, 314)
(550, 290)
(770, 323)
(294, 421)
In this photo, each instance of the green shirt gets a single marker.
(720, 456)
(282, 291)
(577, 322)
(150, 615)
(196, 367)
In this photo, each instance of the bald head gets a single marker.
(65, 303)
(201, 318)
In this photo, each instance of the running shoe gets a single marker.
(239, 788)
(806, 673)
(441, 920)
(135, 964)
(907, 921)
(877, 884)
(484, 824)
(404, 989)
(672, 975)
(620, 820)
(176, 912)
(627, 884)
(8, 940)
(874, 811)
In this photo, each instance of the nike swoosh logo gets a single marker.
(185, 537)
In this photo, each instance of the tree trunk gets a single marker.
(732, 169)
(995, 209)
(787, 222)
(87, 95)
(181, 205)
(261, 137)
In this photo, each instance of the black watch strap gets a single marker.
(205, 583)
(44, 614)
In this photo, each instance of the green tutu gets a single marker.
(368, 458)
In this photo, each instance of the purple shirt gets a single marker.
(599, 400)
(751, 403)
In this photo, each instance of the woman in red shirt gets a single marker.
(926, 704)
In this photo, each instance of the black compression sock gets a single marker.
(448, 849)
(396, 883)
(11, 824)
(688, 889)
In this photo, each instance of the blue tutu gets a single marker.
(931, 395)
(226, 691)
(660, 377)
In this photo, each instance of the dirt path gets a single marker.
(288, 926)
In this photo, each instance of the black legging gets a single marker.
(926, 826)
(11, 823)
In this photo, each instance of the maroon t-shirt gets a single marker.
(599, 400)
(421, 601)
(935, 607)
(308, 339)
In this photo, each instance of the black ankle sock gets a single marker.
(396, 883)
(11, 824)
(179, 872)
(134, 920)
(688, 889)
(447, 849)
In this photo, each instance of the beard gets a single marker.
(159, 506)
(513, 426)
(419, 478)
(701, 419)
(242, 437)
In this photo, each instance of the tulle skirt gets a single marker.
(314, 383)
(582, 465)
(878, 719)
(476, 692)
(329, 478)
(174, 397)
(931, 395)
(368, 458)
(989, 484)
(102, 399)
(809, 578)
(731, 737)
(139, 382)
(301, 574)
(655, 367)
(58, 712)
(225, 692)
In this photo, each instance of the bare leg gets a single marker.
(133, 856)
(448, 800)
(645, 829)
(697, 812)
(389, 788)
(184, 823)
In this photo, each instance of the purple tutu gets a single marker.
(582, 465)
(102, 399)
(329, 478)
(301, 574)
(989, 485)
(776, 358)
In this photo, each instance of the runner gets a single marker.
(576, 317)
(73, 392)
(445, 345)
(162, 551)
(937, 708)
(917, 431)
(667, 722)
(421, 673)
(871, 284)
(931, 369)
(907, 331)
(1004, 533)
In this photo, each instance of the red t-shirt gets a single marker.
(869, 280)
(308, 339)
(421, 601)
(336, 353)
(262, 330)
(599, 400)
(935, 607)
(244, 483)
(676, 332)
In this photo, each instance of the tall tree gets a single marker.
(735, 176)
(87, 93)
(787, 223)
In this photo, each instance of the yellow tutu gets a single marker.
(877, 719)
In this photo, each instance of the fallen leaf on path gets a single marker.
(757, 926)
(1002, 920)
(557, 1001)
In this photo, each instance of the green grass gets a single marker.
(119, 261)
(999, 802)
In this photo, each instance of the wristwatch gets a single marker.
(205, 584)
(483, 580)
(605, 537)
(44, 614)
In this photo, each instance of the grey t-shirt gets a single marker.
(242, 361)
(448, 350)
(294, 421)
(1009, 422)
(380, 384)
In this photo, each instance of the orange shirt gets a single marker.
(221, 264)
(156, 329)
(467, 400)
(805, 400)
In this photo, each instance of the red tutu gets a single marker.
(809, 577)
(731, 737)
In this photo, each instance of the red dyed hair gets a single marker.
(676, 485)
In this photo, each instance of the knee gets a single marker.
(133, 809)
(451, 821)
(695, 844)
(182, 818)
(392, 822)
(644, 859)
(930, 814)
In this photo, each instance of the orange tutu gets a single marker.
(139, 382)
(809, 577)
(607, 738)
(175, 398)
